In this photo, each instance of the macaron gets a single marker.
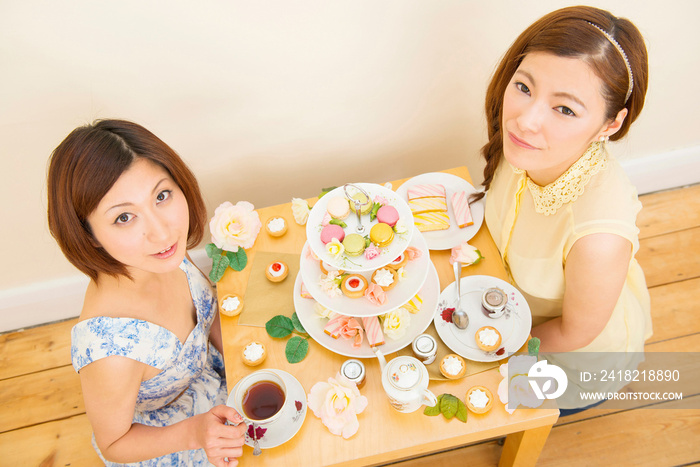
(388, 215)
(332, 231)
(354, 244)
(338, 208)
(381, 234)
(365, 203)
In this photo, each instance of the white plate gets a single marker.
(514, 325)
(416, 272)
(449, 238)
(420, 321)
(359, 263)
(284, 428)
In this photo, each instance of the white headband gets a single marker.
(619, 48)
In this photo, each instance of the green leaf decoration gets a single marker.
(325, 191)
(533, 347)
(237, 259)
(218, 267)
(367, 241)
(296, 350)
(338, 222)
(279, 326)
(449, 405)
(297, 324)
(434, 410)
(461, 411)
(212, 250)
(373, 212)
(478, 260)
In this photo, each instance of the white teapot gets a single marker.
(405, 381)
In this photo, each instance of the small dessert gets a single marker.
(493, 301)
(326, 268)
(254, 353)
(354, 285)
(452, 366)
(338, 208)
(431, 221)
(413, 305)
(460, 206)
(388, 215)
(386, 278)
(479, 399)
(381, 235)
(373, 330)
(331, 231)
(365, 203)
(421, 205)
(399, 262)
(354, 244)
(276, 226)
(277, 271)
(488, 338)
(231, 305)
(426, 191)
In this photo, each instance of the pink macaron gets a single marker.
(388, 215)
(332, 231)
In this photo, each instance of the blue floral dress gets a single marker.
(192, 379)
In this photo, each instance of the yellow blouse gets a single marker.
(535, 227)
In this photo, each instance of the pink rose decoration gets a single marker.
(234, 226)
(412, 253)
(352, 330)
(465, 254)
(337, 403)
(375, 294)
(372, 251)
(326, 220)
(381, 200)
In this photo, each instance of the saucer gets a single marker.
(284, 428)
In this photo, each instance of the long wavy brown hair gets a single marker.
(566, 33)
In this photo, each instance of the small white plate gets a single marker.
(420, 321)
(449, 238)
(359, 263)
(284, 428)
(416, 272)
(514, 325)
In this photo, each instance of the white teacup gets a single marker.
(259, 398)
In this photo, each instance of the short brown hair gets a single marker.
(83, 168)
(566, 33)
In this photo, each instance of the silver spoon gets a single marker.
(256, 445)
(459, 316)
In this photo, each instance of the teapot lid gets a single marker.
(404, 373)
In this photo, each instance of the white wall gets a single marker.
(272, 99)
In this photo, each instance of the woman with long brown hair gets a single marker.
(559, 207)
(124, 208)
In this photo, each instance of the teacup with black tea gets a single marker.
(259, 397)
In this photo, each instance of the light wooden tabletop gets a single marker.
(384, 434)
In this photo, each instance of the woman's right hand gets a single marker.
(222, 443)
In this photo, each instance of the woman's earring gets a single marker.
(604, 139)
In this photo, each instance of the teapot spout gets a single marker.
(380, 357)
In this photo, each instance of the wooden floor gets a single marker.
(43, 422)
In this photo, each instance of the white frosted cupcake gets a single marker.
(452, 366)
(254, 354)
(276, 226)
(231, 304)
(479, 399)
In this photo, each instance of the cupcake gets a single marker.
(338, 208)
(354, 285)
(386, 278)
(276, 226)
(231, 304)
(354, 244)
(488, 338)
(326, 268)
(381, 235)
(453, 366)
(479, 399)
(253, 354)
(277, 271)
(399, 262)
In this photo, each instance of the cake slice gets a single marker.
(430, 221)
(426, 191)
(414, 304)
(420, 205)
(460, 206)
(373, 330)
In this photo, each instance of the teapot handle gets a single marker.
(429, 399)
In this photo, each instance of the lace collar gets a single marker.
(570, 185)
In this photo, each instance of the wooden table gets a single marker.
(384, 434)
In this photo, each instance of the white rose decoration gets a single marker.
(396, 322)
(300, 210)
(337, 404)
(515, 388)
(234, 226)
(465, 254)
